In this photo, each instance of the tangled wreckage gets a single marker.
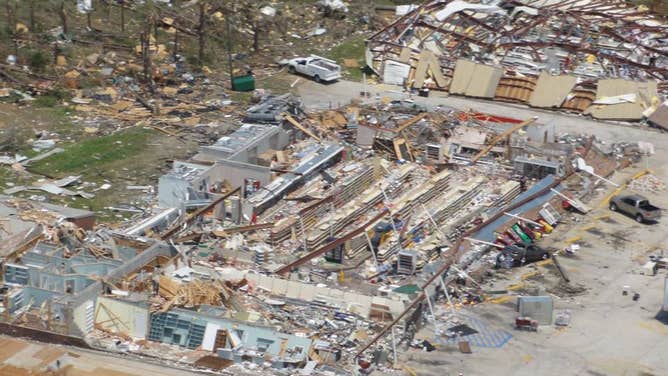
(607, 59)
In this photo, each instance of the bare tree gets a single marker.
(201, 31)
(63, 16)
(121, 3)
(257, 22)
(146, 50)
(31, 13)
(10, 14)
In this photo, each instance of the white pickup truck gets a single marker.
(319, 68)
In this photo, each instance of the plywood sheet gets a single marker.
(405, 56)
(10, 347)
(484, 81)
(428, 64)
(462, 77)
(660, 116)
(624, 111)
(551, 91)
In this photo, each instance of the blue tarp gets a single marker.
(487, 232)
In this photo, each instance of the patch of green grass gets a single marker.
(46, 101)
(94, 153)
(63, 112)
(243, 97)
(352, 48)
(52, 98)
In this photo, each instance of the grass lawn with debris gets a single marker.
(93, 154)
(352, 48)
(133, 156)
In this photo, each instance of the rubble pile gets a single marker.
(610, 64)
(327, 242)
(298, 239)
(647, 183)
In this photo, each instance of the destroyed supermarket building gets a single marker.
(278, 248)
(607, 59)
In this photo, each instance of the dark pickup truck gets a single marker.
(636, 206)
(519, 254)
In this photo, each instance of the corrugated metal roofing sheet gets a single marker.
(516, 89)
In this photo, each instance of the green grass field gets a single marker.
(94, 153)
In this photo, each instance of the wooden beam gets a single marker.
(169, 233)
(298, 125)
(410, 122)
(486, 149)
(239, 229)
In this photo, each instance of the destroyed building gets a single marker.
(300, 244)
(610, 63)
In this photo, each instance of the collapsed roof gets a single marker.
(588, 39)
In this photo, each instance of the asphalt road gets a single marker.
(322, 96)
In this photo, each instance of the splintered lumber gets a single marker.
(451, 259)
(196, 293)
(410, 122)
(297, 125)
(239, 229)
(328, 247)
(168, 287)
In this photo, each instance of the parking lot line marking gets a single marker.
(501, 299)
(528, 275)
(573, 239)
(516, 286)
(545, 262)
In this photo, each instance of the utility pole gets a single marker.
(228, 24)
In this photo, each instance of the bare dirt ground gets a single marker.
(21, 357)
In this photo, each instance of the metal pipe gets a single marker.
(484, 242)
(523, 219)
(447, 296)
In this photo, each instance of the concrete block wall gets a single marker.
(351, 301)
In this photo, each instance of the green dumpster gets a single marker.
(243, 83)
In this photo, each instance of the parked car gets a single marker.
(519, 254)
(316, 67)
(635, 206)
